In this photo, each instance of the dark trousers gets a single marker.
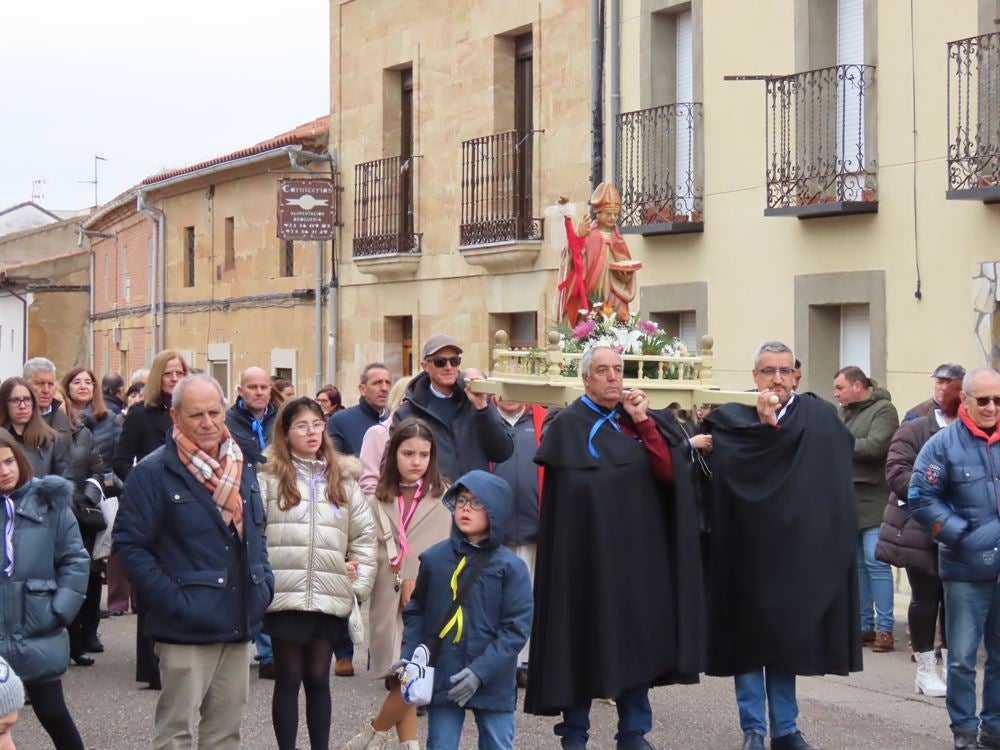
(926, 600)
(84, 626)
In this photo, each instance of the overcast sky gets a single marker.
(148, 86)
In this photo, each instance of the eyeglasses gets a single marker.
(19, 401)
(307, 428)
(769, 371)
(78, 383)
(174, 374)
(983, 401)
(442, 361)
(473, 502)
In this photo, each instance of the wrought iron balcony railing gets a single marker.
(383, 208)
(497, 200)
(974, 118)
(820, 142)
(659, 161)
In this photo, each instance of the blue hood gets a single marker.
(496, 497)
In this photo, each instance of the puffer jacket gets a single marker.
(872, 422)
(105, 431)
(955, 491)
(49, 580)
(902, 540)
(496, 612)
(309, 543)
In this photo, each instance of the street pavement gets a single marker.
(873, 709)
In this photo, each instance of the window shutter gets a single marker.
(850, 107)
(689, 333)
(850, 32)
(855, 337)
(684, 67)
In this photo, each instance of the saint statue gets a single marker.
(597, 268)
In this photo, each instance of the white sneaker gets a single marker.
(368, 739)
(409, 745)
(928, 681)
(944, 666)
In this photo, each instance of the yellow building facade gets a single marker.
(831, 215)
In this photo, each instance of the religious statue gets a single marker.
(597, 268)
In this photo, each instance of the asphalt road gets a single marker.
(873, 709)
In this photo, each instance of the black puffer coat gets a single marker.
(145, 429)
(105, 431)
(902, 541)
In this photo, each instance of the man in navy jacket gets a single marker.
(955, 493)
(190, 535)
(347, 427)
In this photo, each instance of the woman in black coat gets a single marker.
(145, 430)
(907, 544)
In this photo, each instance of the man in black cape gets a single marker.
(618, 584)
(782, 581)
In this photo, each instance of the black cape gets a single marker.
(618, 592)
(782, 578)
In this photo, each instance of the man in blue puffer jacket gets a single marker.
(478, 660)
(955, 492)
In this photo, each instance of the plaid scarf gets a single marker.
(220, 477)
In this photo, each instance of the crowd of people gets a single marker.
(256, 529)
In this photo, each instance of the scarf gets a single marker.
(221, 477)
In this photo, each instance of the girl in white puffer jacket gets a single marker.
(321, 545)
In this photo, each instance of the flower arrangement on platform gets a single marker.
(632, 335)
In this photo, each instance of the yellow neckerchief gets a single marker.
(457, 620)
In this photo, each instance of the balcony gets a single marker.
(974, 119)
(659, 166)
(384, 243)
(821, 142)
(498, 231)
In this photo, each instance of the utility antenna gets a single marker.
(94, 181)
(36, 190)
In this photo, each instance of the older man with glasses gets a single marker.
(954, 491)
(469, 431)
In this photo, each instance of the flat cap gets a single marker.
(949, 371)
(436, 343)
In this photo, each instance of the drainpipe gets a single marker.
(158, 296)
(294, 158)
(90, 318)
(615, 75)
(596, 92)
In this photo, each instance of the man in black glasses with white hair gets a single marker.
(954, 491)
(469, 431)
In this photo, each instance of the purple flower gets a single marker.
(648, 327)
(618, 348)
(584, 329)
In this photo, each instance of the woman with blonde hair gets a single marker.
(145, 430)
(321, 545)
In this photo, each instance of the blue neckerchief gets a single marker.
(608, 417)
(257, 425)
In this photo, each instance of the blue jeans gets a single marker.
(777, 690)
(874, 584)
(973, 616)
(444, 728)
(635, 717)
(263, 644)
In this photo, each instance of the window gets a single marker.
(398, 344)
(680, 324)
(521, 328)
(287, 261)
(284, 373)
(229, 260)
(188, 256)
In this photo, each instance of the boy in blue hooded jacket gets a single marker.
(477, 665)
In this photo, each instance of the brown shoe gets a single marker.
(883, 642)
(345, 667)
(867, 637)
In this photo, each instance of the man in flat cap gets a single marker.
(943, 375)
(469, 431)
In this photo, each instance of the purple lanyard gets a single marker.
(8, 535)
(314, 481)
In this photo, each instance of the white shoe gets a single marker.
(409, 745)
(368, 739)
(944, 666)
(928, 681)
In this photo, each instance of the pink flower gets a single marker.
(648, 327)
(584, 329)
(618, 348)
